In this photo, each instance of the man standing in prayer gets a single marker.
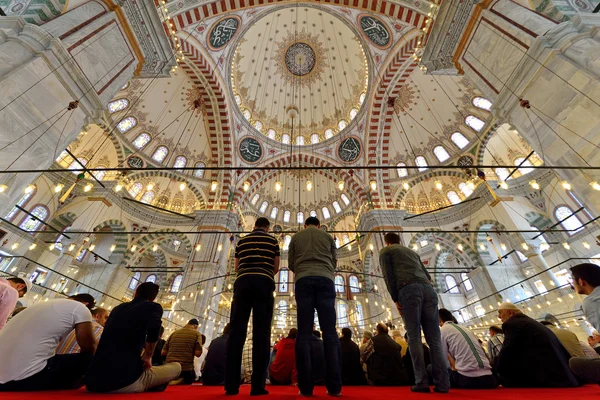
(256, 263)
(69, 344)
(312, 256)
(410, 286)
(181, 347)
(10, 291)
(586, 280)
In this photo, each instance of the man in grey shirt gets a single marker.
(409, 284)
(312, 256)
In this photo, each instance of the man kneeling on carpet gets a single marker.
(132, 329)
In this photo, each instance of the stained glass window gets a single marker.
(78, 165)
(336, 207)
(342, 314)
(180, 162)
(453, 197)
(263, 207)
(300, 217)
(342, 124)
(286, 216)
(148, 197)
(160, 154)
(474, 122)
(353, 113)
(151, 278)
(482, 103)
(126, 124)
(362, 97)
(326, 213)
(274, 212)
(314, 138)
(118, 105)
(199, 173)
(258, 126)
(526, 163)
(20, 203)
(451, 284)
(176, 283)
(286, 242)
(459, 140)
(421, 162)
(345, 199)
(283, 280)
(402, 172)
(247, 114)
(328, 133)
(501, 173)
(571, 222)
(353, 283)
(135, 189)
(339, 284)
(300, 140)
(440, 153)
(255, 199)
(99, 174)
(285, 138)
(465, 189)
(33, 221)
(142, 140)
(466, 281)
(271, 134)
(281, 314)
(134, 281)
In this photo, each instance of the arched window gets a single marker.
(501, 173)
(339, 284)
(466, 281)
(281, 314)
(263, 207)
(199, 173)
(286, 216)
(247, 114)
(284, 276)
(126, 124)
(300, 217)
(33, 221)
(579, 203)
(142, 140)
(148, 197)
(313, 213)
(125, 86)
(360, 316)
(22, 201)
(258, 126)
(180, 162)
(99, 174)
(345, 199)
(314, 138)
(326, 214)
(453, 197)
(300, 140)
(402, 172)
(353, 283)
(342, 124)
(151, 278)
(342, 314)
(176, 285)
(465, 189)
(286, 242)
(571, 222)
(451, 284)
(482, 103)
(77, 165)
(459, 140)
(118, 105)
(474, 123)
(353, 113)
(274, 212)
(526, 163)
(285, 138)
(421, 162)
(271, 134)
(345, 238)
(134, 281)
(336, 207)
(255, 199)
(160, 154)
(440, 153)
(328, 133)
(135, 189)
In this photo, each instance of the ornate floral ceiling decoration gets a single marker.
(300, 58)
(405, 98)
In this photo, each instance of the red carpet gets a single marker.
(288, 393)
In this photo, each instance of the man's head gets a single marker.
(84, 298)
(100, 315)
(226, 329)
(396, 334)
(317, 334)
(20, 285)
(446, 316)
(312, 221)
(347, 333)
(262, 223)
(506, 310)
(591, 341)
(367, 336)
(203, 339)
(382, 328)
(147, 290)
(391, 238)
(495, 330)
(193, 323)
(293, 333)
(586, 277)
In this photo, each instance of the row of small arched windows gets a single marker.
(274, 213)
(175, 285)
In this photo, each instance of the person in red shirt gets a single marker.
(282, 370)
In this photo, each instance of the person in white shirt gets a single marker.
(470, 367)
(28, 343)
(10, 291)
(199, 361)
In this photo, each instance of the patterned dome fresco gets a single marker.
(300, 58)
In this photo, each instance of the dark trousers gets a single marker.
(63, 371)
(459, 381)
(188, 377)
(315, 292)
(250, 294)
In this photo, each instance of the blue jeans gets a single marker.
(420, 309)
(315, 292)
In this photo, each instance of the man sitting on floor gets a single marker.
(10, 291)
(69, 344)
(569, 340)
(384, 361)
(282, 370)
(531, 356)
(28, 343)
(181, 347)
(494, 345)
(123, 362)
(470, 367)
(213, 372)
(352, 372)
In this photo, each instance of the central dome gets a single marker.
(303, 58)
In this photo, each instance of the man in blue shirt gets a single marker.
(586, 280)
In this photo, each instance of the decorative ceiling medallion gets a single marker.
(300, 54)
(250, 150)
(406, 98)
(135, 162)
(465, 161)
(375, 30)
(223, 31)
(349, 149)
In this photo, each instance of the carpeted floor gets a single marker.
(287, 392)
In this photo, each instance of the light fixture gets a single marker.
(586, 245)
(155, 247)
(278, 186)
(246, 186)
(415, 247)
(118, 187)
(471, 184)
(71, 247)
(566, 185)
(373, 185)
(113, 247)
(595, 185)
(482, 246)
(309, 185)
(92, 247)
(213, 186)
(52, 246)
(341, 185)
(438, 185)
(198, 247)
(406, 186)
(534, 184)
(349, 246)
(460, 247)
(438, 247)
(219, 247)
(3, 188)
(503, 185)
(33, 246)
(133, 248)
(181, 186)
(88, 187)
(524, 246)
(503, 246)
(58, 188)
(371, 247)
(544, 246)
(566, 246)
(29, 189)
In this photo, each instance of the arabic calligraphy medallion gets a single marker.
(349, 149)
(222, 32)
(250, 150)
(375, 30)
(300, 59)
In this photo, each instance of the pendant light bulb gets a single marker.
(341, 185)
(181, 186)
(438, 247)
(52, 246)
(460, 247)
(213, 186)
(373, 185)
(72, 247)
(566, 185)
(219, 247)
(595, 185)
(309, 185)
(278, 186)
(524, 246)
(133, 248)
(406, 186)
(155, 247)
(482, 246)
(58, 188)
(113, 247)
(3, 188)
(118, 187)
(246, 186)
(92, 247)
(544, 246)
(534, 184)
(503, 246)
(198, 247)
(29, 189)
(503, 185)
(150, 186)
(566, 246)
(438, 185)
(586, 245)
(88, 187)
(14, 246)
(33, 246)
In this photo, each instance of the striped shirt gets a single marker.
(494, 345)
(181, 345)
(69, 344)
(469, 358)
(256, 253)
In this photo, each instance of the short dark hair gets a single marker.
(446, 315)
(84, 298)
(546, 323)
(496, 329)
(293, 333)
(391, 238)
(588, 272)
(382, 328)
(347, 333)
(98, 310)
(147, 290)
(312, 221)
(262, 223)
(317, 334)
(203, 338)
(193, 321)
(19, 281)
(226, 329)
